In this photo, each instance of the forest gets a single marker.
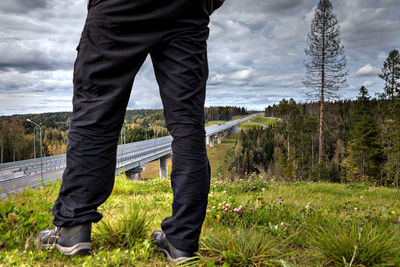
(20, 138)
(361, 140)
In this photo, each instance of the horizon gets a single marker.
(256, 53)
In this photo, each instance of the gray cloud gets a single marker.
(256, 52)
(22, 6)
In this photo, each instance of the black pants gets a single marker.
(117, 37)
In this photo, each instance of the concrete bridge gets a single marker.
(16, 176)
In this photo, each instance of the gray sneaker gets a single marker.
(173, 254)
(70, 241)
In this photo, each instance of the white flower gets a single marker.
(355, 209)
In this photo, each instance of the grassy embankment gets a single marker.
(253, 222)
(250, 222)
(259, 119)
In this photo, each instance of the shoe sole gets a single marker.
(176, 261)
(78, 249)
(83, 248)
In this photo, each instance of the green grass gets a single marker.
(254, 122)
(212, 123)
(264, 120)
(217, 154)
(254, 222)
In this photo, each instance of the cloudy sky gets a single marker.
(256, 52)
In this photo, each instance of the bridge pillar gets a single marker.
(207, 140)
(164, 167)
(212, 137)
(219, 138)
(134, 174)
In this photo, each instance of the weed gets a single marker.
(131, 228)
(355, 243)
(242, 246)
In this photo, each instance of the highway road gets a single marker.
(15, 176)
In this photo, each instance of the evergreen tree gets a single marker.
(326, 72)
(365, 152)
(391, 75)
(391, 123)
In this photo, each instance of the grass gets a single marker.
(216, 157)
(264, 120)
(129, 229)
(217, 154)
(254, 122)
(152, 169)
(251, 222)
(210, 123)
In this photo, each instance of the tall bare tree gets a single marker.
(326, 67)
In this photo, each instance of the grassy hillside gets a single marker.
(251, 222)
(259, 119)
(216, 156)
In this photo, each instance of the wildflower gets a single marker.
(208, 211)
(393, 212)
(263, 189)
(251, 209)
(399, 219)
(308, 205)
(361, 197)
(224, 192)
(226, 209)
(282, 224)
(355, 209)
(219, 205)
(227, 205)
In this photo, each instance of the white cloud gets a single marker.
(367, 70)
(369, 83)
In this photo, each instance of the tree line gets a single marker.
(333, 140)
(361, 141)
(20, 138)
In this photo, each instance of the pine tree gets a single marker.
(326, 72)
(365, 152)
(391, 75)
(391, 125)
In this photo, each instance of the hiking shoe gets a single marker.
(68, 240)
(173, 254)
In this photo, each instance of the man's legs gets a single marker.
(115, 41)
(103, 75)
(181, 69)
